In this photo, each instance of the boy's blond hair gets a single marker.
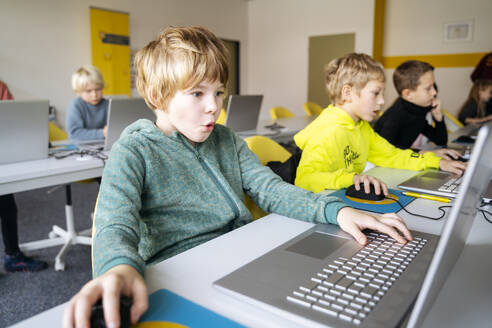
(407, 75)
(85, 75)
(354, 69)
(179, 59)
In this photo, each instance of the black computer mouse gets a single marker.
(361, 194)
(462, 159)
(97, 313)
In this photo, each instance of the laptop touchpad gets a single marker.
(317, 245)
(435, 175)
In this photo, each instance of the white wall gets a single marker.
(44, 42)
(279, 31)
(417, 28)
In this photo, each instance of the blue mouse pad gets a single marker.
(381, 206)
(170, 310)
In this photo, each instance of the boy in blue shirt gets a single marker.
(87, 114)
(174, 184)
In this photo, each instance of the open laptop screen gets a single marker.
(123, 112)
(23, 130)
(243, 112)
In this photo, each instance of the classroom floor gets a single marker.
(25, 294)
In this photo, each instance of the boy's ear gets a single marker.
(347, 93)
(405, 93)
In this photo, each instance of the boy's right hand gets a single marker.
(456, 167)
(367, 180)
(353, 222)
(121, 279)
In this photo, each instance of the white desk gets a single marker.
(290, 126)
(28, 175)
(465, 299)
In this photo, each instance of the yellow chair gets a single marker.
(452, 123)
(280, 112)
(312, 108)
(55, 133)
(267, 150)
(222, 117)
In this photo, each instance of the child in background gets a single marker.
(171, 185)
(474, 110)
(405, 120)
(87, 114)
(337, 145)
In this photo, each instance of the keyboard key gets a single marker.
(308, 286)
(350, 311)
(329, 297)
(335, 292)
(332, 279)
(323, 302)
(325, 309)
(354, 289)
(345, 317)
(368, 291)
(299, 294)
(336, 307)
(311, 298)
(299, 301)
(343, 283)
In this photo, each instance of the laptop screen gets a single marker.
(243, 112)
(123, 112)
(23, 130)
(456, 229)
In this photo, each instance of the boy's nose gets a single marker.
(212, 105)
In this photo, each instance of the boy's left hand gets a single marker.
(447, 153)
(456, 167)
(436, 110)
(353, 222)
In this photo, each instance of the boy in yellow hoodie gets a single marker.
(337, 145)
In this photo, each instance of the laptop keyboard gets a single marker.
(452, 185)
(350, 288)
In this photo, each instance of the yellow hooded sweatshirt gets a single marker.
(335, 148)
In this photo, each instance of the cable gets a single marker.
(441, 208)
(484, 212)
(97, 153)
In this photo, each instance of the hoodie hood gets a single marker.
(331, 118)
(144, 128)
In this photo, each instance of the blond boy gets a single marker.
(87, 114)
(337, 145)
(176, 183)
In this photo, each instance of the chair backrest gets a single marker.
(222, 117)
(55, 133)
(267, 150)
(280, 112)
(452, 123)
(312, 108)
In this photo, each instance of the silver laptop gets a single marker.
(323, 277)
(440, 183)
(243, 113)
(123, 112)
(23, 130)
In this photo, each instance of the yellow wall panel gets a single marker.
(110, 40)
